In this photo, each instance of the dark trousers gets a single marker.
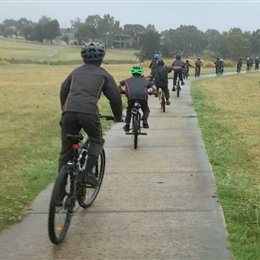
(175, 74)
(72, 123)
(144, 107)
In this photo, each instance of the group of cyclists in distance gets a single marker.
(249, 64)
(79, 106)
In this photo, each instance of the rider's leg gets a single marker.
(146, 112)
(181, 77)
(128, 115)
(92, 126)
(174, 80)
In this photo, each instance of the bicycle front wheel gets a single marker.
(60, 213)
(87, 192)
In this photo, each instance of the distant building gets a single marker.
(123, 41)
(67, 34)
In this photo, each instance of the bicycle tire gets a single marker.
(86, 193)
(163, 102)
(136, 127)
(57, 230)
(178, 88)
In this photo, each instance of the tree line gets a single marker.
(186, 40)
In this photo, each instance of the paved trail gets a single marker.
(156, 202)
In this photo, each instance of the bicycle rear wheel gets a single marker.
(88, 193)
(178, 88)
(60, 213)
(136, 128)
(163, 102)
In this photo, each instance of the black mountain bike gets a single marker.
(63, 203)
(136, 118)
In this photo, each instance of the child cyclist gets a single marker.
(160, 75)
(136, 88)
(177, 66)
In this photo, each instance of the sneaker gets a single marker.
(90, 178)
(126, 128)
(168, 102)
(145, 125)
(182, 83)
(173, 88)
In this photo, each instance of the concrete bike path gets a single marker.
(156, 202)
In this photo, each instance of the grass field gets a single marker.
(228, 111)
(229, 117)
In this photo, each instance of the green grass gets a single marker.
(229, 118)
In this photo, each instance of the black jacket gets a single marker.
(81, 91)
(136, 87)
(160, 75)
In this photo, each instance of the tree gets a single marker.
(25, 28)
(76, 23)
(9, 27)
(217, 44)
(255, 42)
(134, 30)
(239, 43)
(51, 30)
(46, 29)
(85, 33)
(149, 44)
(185, 40)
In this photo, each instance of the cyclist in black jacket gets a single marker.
(177, 66)
(161, 79)
(79, 95)
(136, 87)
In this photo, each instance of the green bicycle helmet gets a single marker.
(137, 70)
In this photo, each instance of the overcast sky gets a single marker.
(164, 15)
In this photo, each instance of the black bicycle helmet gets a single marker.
(178, 56)
(160, 63)
(93, 51)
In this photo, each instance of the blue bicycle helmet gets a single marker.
(156, 56)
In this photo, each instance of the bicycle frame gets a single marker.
(162, 99)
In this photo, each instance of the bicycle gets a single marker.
(136, 119)
(62, 208)
(197, 71)
(219, 71)
(162, 98)
(178, 85)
